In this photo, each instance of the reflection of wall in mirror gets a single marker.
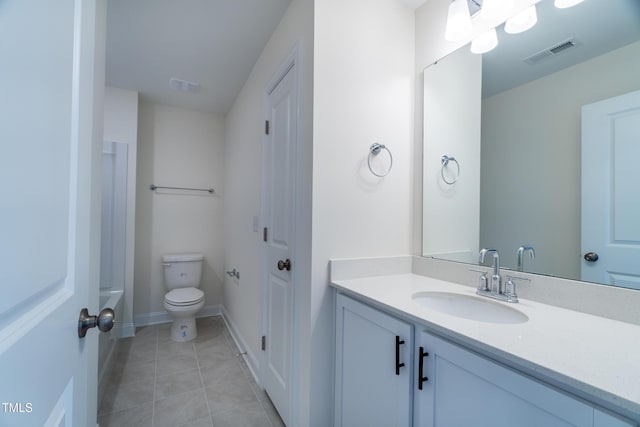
(535, 128)
(451, 123)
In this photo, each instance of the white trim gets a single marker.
(128, 330)
(158, 317)
(250, 358)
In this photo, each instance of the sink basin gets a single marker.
(469, 307)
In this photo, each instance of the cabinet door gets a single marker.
(465, 389)
(373, 367)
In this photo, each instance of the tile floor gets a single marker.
(160, 383)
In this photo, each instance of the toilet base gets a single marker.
(183, 329)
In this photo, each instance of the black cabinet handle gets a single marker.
(398, 364)
(421, 378)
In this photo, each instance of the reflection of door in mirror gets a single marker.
(610, 202)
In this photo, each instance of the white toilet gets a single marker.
(182, 273)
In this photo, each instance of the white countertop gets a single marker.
(593, 357)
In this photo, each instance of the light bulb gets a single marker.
(522, 21)
(458, 21)
(485, 43)
(563, 4)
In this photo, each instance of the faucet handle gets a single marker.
(483, 281)
(510, 287)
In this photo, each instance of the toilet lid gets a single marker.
(184, 296)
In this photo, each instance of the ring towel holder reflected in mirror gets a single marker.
(446, 160)
(374, 150)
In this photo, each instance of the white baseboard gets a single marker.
(158, 317)
(128, 330)
(252, 361)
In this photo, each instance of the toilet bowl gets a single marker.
(182, 273)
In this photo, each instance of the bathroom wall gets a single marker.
(121, 125)
(179, 148)
(363, 93)
(535, 200)
(243, 181)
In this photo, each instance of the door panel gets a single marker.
(610, 176)
(48, 220)
(279, 155)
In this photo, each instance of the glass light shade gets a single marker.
(522, 21)
(458, 21)
(485, 42)
(563, 4)
(492, 8)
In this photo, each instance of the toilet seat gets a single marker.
(184, 297)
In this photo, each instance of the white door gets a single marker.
(610, 196)
(51, 77)
(279, 215)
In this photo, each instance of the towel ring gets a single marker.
(445, 162)
(374, 150)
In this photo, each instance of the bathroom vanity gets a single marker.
(412, 350)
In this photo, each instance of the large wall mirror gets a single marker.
(545, 133)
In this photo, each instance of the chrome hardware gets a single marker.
(510, 288)
(521, 251)
(494, 290)
(483, 281)
(445, 163)
(375, 149)
(234, 273)
(591, 257)
(496, 280)
(104, 321)
(284, 265)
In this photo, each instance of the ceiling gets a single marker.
(214, 43)
(596, 26)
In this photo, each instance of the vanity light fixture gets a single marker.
(563, 4)
(458, 21)
(485, 42)
(522, 21)
(492, 8)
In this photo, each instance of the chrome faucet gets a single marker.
(496, 281)
(493, 288)
(521, 251)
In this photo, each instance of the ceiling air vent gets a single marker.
(556, 49)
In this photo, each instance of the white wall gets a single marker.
(451, 212)
(178, 148)
(243, 181)
(121, 125)
(363, 93)
(549, 139)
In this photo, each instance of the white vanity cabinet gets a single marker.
(459, 387)
(464, 389)
(373, 367)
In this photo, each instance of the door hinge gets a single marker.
(266, 127)
(264, 234)
(264, 343)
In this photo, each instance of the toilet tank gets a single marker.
(182, 270)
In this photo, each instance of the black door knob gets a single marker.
(284, 265)
(591, 257)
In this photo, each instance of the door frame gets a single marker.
(291, 63)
